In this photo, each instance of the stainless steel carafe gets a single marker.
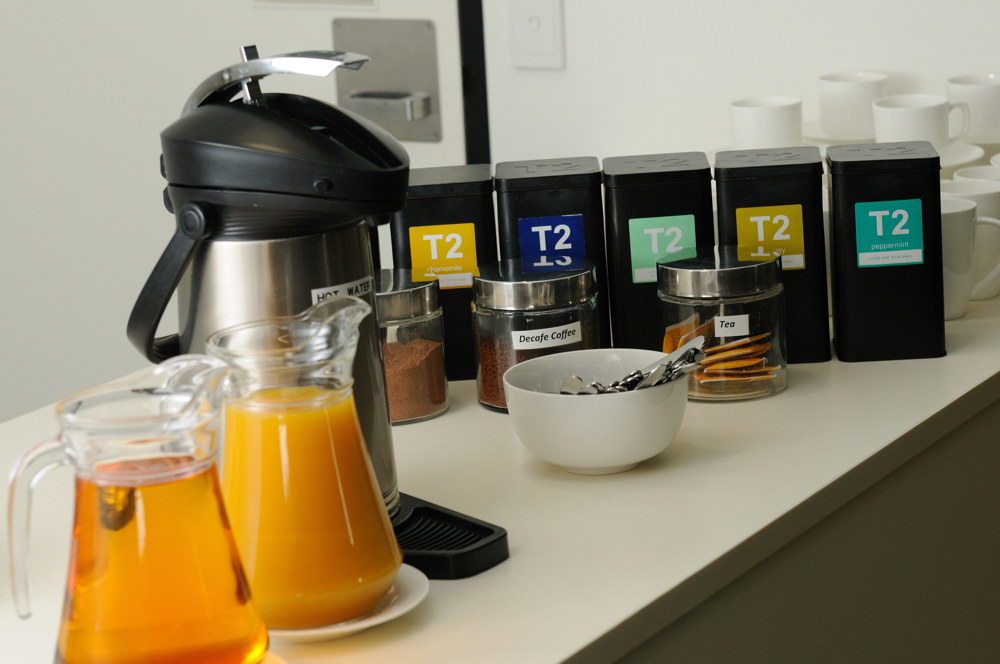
(272, 195)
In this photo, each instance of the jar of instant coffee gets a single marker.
(738, 307)
(529, 307)
(412, 334)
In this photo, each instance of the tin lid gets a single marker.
(439, 181)
(517, 284)
(398, 297)
(768, 163)
(902, 156)
(656, 169)
(717, 272)
(547, 173)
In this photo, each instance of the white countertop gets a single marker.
(597, 564)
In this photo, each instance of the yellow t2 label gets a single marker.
(446, 252)
(773, 230)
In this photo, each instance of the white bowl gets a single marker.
(593, 434)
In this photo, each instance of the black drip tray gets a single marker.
(444, 544)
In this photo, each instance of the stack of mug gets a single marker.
(970, 201)
(963, 125)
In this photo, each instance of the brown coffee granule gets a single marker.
(496, 356)
(415, 381)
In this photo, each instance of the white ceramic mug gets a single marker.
(989, 173)
(917, 117)
(986, 196)
(958, 229)
(995, 160)
(981, 92)
(845, 103)
(766, 122)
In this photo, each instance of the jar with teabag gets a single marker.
(412, 334)
(738, 306)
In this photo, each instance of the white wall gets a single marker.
(87, 87)
(647, 76)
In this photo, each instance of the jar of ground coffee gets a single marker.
(529, 307)
(412, 334)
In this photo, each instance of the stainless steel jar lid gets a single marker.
(398, 297)
(524, 284)
(716, 273)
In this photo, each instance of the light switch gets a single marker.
(536, 34)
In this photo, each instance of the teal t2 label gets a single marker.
(651, 238)
(889, 233)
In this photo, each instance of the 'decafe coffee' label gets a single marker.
(547, 337)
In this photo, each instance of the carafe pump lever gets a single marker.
(223, 85)
(251, 88)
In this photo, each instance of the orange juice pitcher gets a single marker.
(154, 573)
(308, 516)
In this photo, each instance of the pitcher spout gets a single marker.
(315, 347)
(333, 326)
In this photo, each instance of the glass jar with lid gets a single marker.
(412, 335)
(529, 307)
(737, 305)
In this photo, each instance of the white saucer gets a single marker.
(956, 154)
(960, 154)
(811, 131)
(409, 589)
(995, 159)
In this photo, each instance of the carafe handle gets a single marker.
(192, 227)
(29, 469)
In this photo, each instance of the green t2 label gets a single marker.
(889, 233)
(651, 238)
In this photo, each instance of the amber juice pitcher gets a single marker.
(307, 514)
(154, 574)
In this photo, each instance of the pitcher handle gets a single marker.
(29, 469)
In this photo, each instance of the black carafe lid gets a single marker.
(235, 146)
(287, 145)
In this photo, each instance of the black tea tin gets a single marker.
(885, 237)
(655, 206)
(770, 202)
(446, 230)
(550, 210)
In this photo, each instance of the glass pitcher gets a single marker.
(154, 574)
(308, 517)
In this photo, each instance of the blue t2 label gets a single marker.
(560, 235)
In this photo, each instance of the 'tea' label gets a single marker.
(732, 326)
